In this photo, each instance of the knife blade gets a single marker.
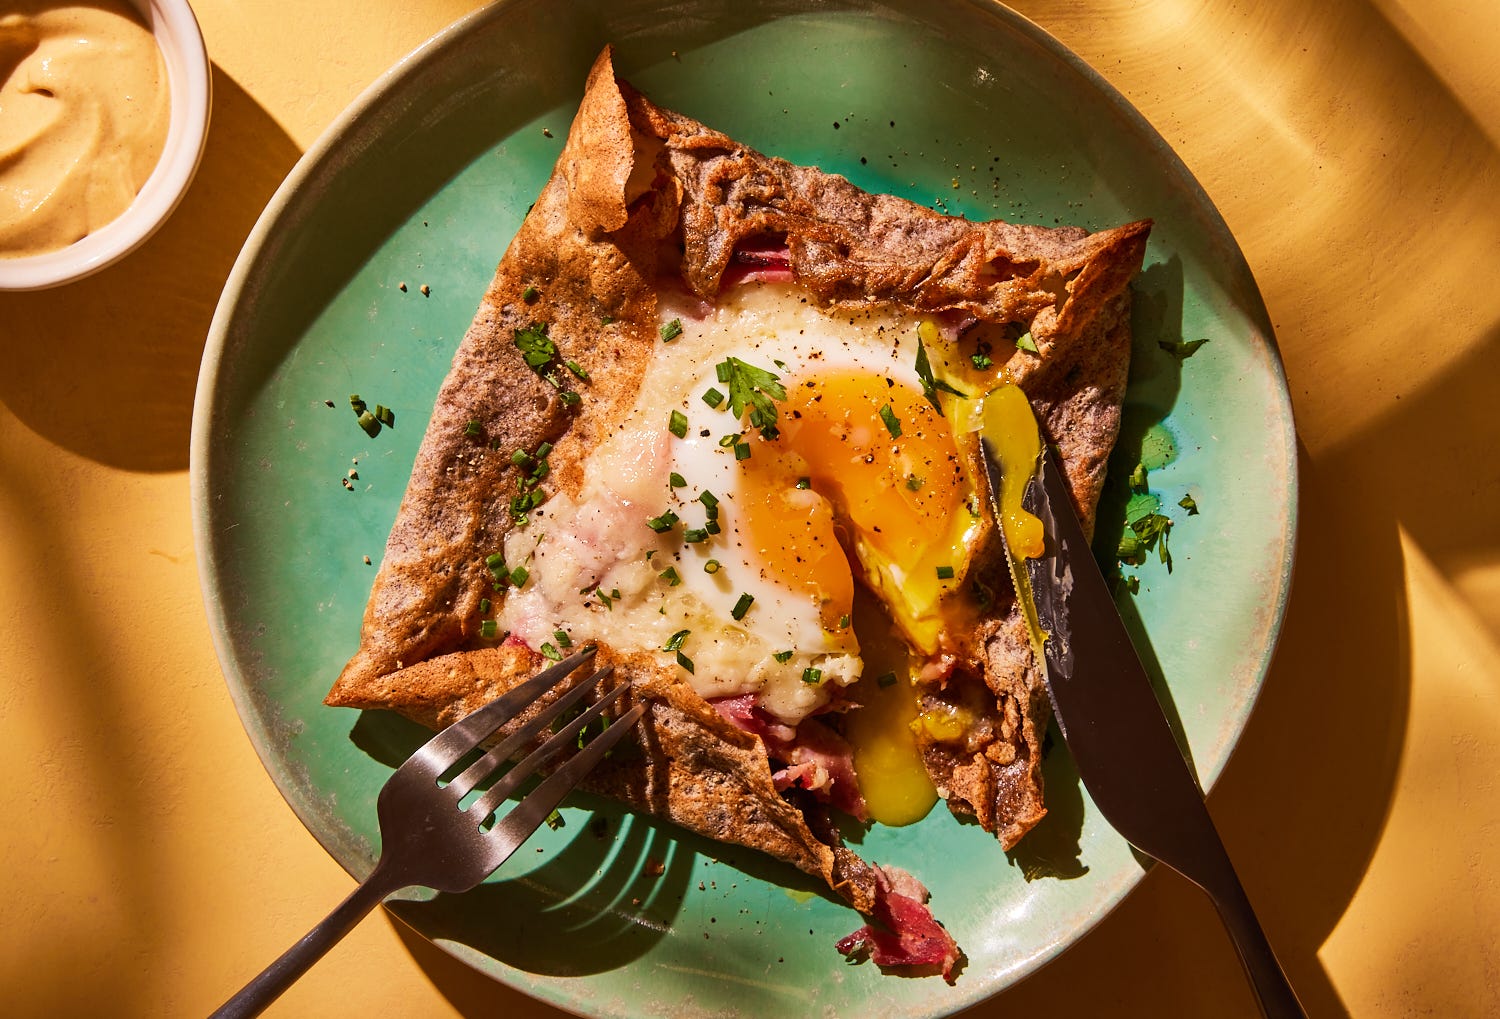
(1111, 721)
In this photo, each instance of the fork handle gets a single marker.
(297, 960)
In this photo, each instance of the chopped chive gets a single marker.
(484, 605)
(495, 561)
(742, 450)
(713, 397)
(727, 441)
(674, 642)
(489, 629)
(550, 651)
(892, 422)
(676, 480)
(945, 572)
(712, 566)
(577, 370)
(712, 527)
(518, 576)
(563, 640)
(543, 450)
(671, 330)
(741, 607)
(670, 576)
(694, 535)
(385, 415)
(721, 371)
(473, 428)
(886, 679)
(677, 424)
(812, 676)
(663, 523)
(783, 656)
(569, 398)
(530, 294)
(520, 458)
(710, 503)
(356, 403)
(370, 423)
(844, 621)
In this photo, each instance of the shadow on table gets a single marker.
(106, 367)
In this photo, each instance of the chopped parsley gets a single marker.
(892, 422)
(536, 346)
(676, 480)
(530, 294)
(913, 483)
(1026, 343)
(752, 387)
(670, 576)
(931, 384)
(1190, 504)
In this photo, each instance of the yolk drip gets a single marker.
(892, 777)
(1010, 428)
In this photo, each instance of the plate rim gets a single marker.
(368, 104)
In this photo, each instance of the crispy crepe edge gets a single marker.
(630, 177)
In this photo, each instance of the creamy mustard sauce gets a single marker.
(83, 118)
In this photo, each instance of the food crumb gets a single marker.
(426, 290)
(546, 132)
(655, 868)
(348, 485)
(329, 403)
(367, 560)
(353, 474)
(401, 286)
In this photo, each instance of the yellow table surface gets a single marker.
(150, 866)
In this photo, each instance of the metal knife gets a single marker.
(1113, 724)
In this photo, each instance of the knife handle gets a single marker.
(1277, 998)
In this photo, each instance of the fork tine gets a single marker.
(516, 827)
(566, 737)
(503, 751)
(443, 751)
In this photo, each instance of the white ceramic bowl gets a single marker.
(190, 86)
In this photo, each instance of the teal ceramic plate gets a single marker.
(361, 278)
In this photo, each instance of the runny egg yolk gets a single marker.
(874, 461)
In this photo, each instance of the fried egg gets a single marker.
(778, 454)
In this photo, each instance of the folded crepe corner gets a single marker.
(634, 186)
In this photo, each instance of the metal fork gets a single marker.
(430, 838)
